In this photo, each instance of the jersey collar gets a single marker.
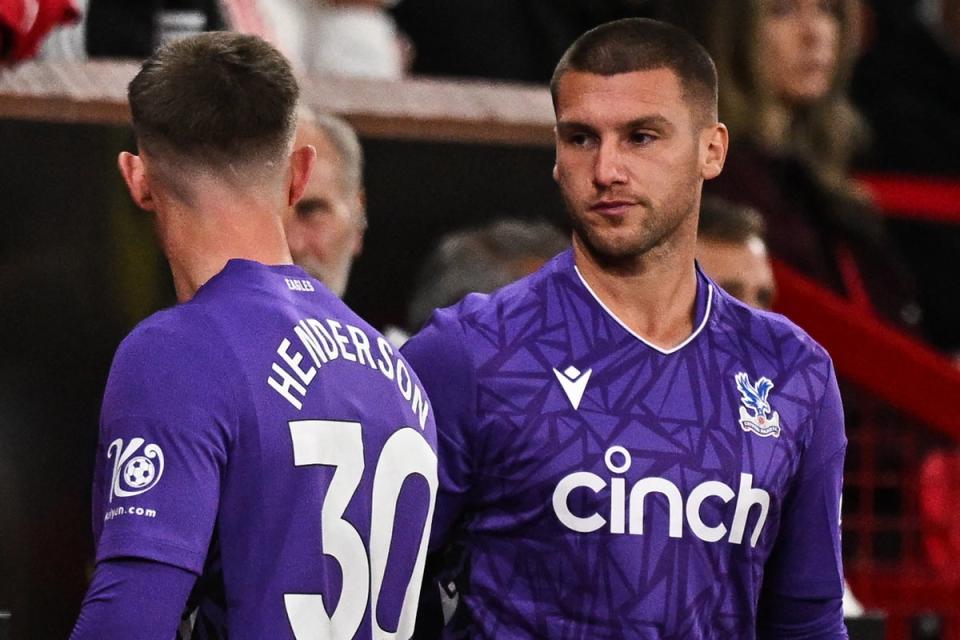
(704, 305)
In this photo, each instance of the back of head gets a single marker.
(481, 260)
(642, 44)
(343, 138)
(731, 250)
(218, 101)
(723, 221)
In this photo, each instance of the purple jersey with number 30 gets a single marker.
(267, 439)
(606, 488)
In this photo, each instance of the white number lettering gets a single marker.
(339, 444)
(406, 453)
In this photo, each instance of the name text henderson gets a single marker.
(329, 340)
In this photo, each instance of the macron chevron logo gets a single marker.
(574, 383)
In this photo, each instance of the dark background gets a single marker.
(79, 267)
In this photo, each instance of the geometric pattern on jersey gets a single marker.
(668, 421)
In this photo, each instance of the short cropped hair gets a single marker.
(218, 98)
(723, 221)
(345, 142)
(642, 44)
(480, 260)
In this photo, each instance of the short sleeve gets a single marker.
(441, 361)
(806, 560)
(166, 425)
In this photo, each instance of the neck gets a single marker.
(199, 239)
(655, 296)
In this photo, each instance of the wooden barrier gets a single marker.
(438, 110)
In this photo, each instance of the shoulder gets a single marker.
(457, 337)
(174, 356)
(768, 346)
(756, 330)
(169, 332)
(503, 307)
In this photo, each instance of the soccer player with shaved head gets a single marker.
(626, 451)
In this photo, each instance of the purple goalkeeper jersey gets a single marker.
(266, 438)
(602, 487)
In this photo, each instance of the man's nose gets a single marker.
(816, 27)
(608, 168)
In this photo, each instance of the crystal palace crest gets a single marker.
(756, 414)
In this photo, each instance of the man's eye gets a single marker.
(639, 137)
(579, 139)
(307, 208)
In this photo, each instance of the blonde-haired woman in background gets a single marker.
(784, 68)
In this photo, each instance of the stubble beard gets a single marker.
(626, 251)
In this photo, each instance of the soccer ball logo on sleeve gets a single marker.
(134, 474)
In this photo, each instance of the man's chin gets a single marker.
(610, 247)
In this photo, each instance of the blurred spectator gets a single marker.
(906, 85)
(503, 39)
(133, 29)
(731, 250)
(325, 228)
(784, 66)
(342, 37)
(481, 260)
(25, 23)
(67, 41)
(345, 37)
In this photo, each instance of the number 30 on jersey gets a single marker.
(339, 444)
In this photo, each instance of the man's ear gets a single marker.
(361, 213)
(301, 164)
(134, 174)
(556, 145)
(714, 141)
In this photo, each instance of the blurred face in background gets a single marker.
(325, 228)
(742, 269)
(798, 49)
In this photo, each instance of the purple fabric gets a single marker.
(130, 598)
(604, 488)
(266, 421)
(783, 618)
